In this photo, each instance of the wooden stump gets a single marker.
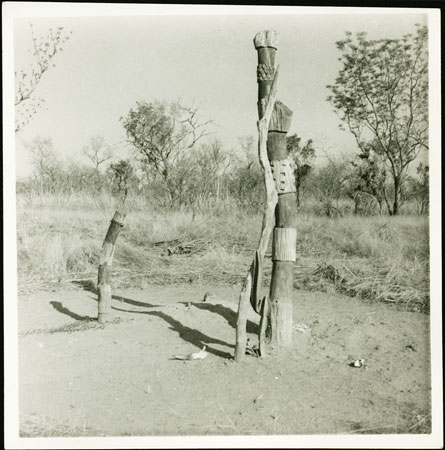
(106, 261)
(241, 322)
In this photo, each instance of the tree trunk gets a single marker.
(395, 207)
(284, 233)
(106, 261)
(297, 187)
(388, 206)
(379, 201)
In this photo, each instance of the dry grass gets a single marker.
(42, 426)
(406, 421)
(376, 258)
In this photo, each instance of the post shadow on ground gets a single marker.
(62, 309)
(89, 286)
(134, 302)
(228, 314)
(188, 334)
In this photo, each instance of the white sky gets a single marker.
(209, 61)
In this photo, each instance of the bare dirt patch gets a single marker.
(78, 377)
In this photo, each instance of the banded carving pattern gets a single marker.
(265, 72)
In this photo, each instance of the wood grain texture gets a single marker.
(264, 333)
(284, 247)
(105, 263)
(281, 306)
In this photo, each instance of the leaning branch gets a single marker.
(253, 278)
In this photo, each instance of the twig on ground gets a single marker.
(227, 417)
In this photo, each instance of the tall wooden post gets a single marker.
(284, 234)
(106, 261)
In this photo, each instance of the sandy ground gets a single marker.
(77, 377)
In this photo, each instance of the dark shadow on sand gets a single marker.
(59, 307)
(188, 334)
(90, 286)
(134, 302)
(228, 314)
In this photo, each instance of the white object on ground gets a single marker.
(359, 363)
(301, 327)
(198, 355)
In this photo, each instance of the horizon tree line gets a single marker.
(380, 95)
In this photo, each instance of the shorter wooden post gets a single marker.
(106, 261)
(241, 322)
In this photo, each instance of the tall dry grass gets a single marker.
(377, 258)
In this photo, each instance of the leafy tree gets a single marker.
(160, 132)
(303, 157)
(44, 49)
(98, 151)
(381, 94)
(122, 175)
(367, 185)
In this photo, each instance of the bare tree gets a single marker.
(213, 162)
(331, 182)
(98, 151)
(47, 166)
(44, 49)
(246, 183)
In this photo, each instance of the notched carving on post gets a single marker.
(283, 175)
